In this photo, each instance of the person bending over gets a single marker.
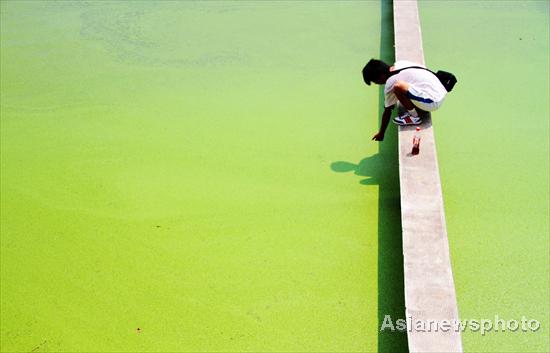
(416, 89)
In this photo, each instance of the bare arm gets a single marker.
(384, 125)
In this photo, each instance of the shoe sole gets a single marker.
(401, 124)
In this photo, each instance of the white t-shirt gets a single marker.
(422, 80)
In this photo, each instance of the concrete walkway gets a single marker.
(429, 286)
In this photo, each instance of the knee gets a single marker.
(401, 87)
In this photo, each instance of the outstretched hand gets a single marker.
(378, 137)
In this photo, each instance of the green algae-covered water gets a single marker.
(194, 176)
(492, 142)
(199, 176)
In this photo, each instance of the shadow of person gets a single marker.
(375, 168)
(382, 169)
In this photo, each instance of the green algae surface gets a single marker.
(170, 179)
(492, 143)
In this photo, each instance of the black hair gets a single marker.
(374, 69)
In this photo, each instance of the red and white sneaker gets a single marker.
(407, 119)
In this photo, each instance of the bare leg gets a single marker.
(400, 90)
